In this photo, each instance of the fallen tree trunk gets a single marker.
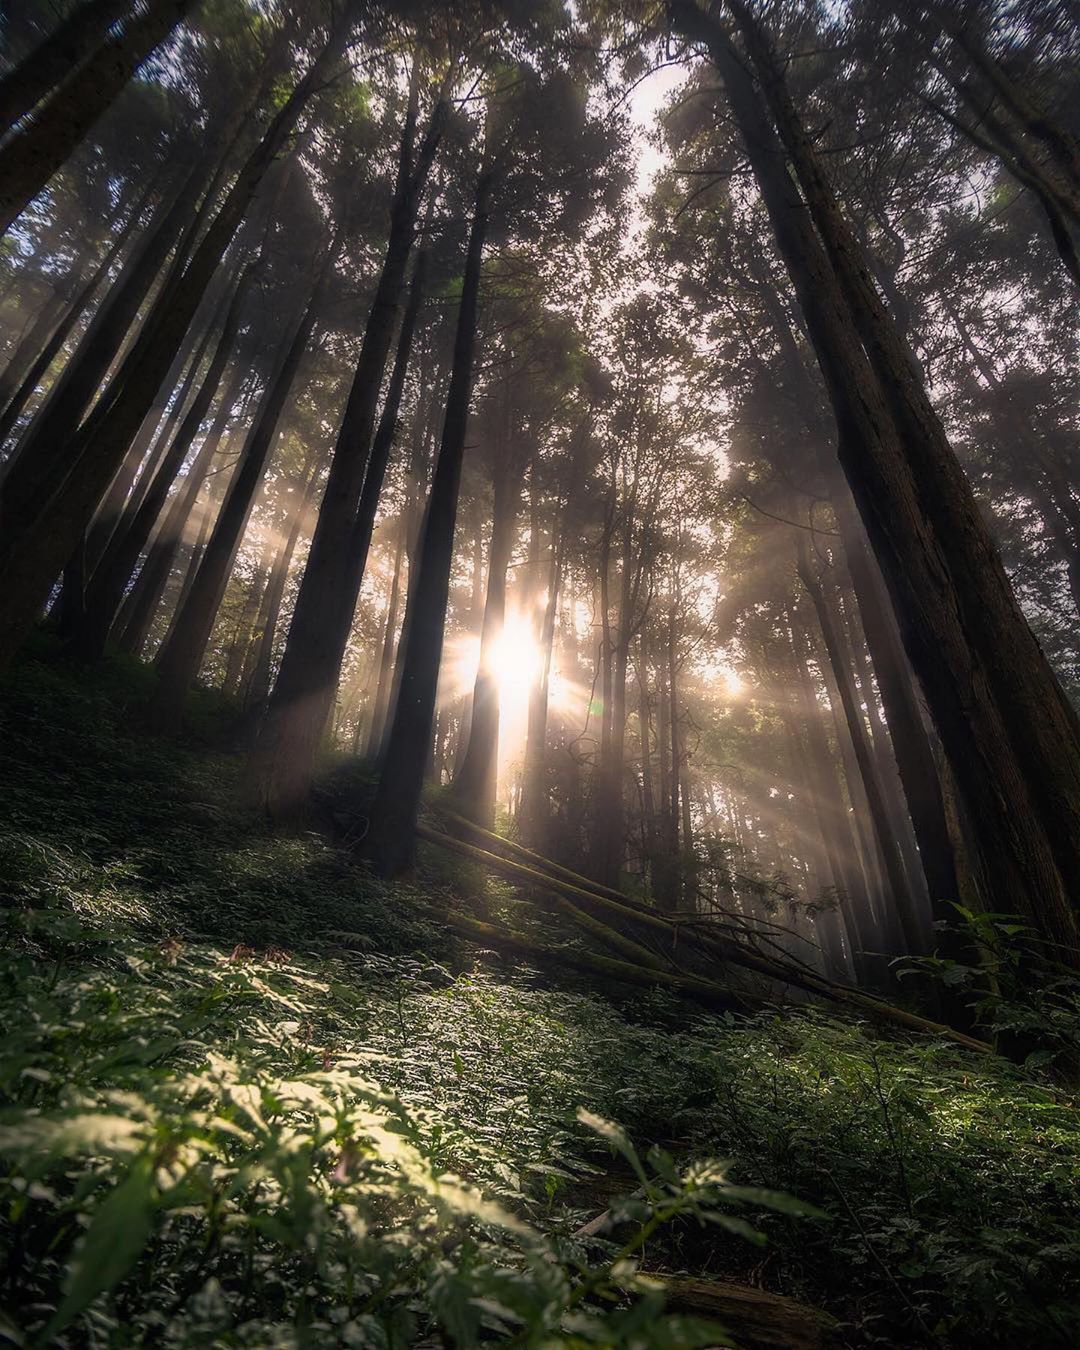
(721, 919)
(756, 1318)
(726, 950)
(626, 972)
(522, 872)
(537, 860)
(611, 937)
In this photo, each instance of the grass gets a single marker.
(252, 1096)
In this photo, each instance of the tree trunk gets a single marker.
(34, 338)
(37, 150)
(610, 825)
(824, 874)
(533, 810)
(181, 655)
(129, 487)
(117, 565)
(326, 602)
(49, 447)
(55, 57)
(852, 890)
(665, 870)
(15, 402)
(381, 699)
(36, 552)
(911, 744)
(383, 443)
(390, 840)
(244, 636)
(257, 689)
(681, 848)
(913, 929)
(1012, 740)
(153, 576)
(474, 786)
(117, 502)
(855, 649)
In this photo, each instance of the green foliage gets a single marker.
(198, 1147)
(1017, 992)
(250, 1096)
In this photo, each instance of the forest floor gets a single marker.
(254, 1096)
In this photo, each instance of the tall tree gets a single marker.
(1012, 739)
(36, 151)
(181, 654)
(32, 554)
(311, 663)
(390, 833)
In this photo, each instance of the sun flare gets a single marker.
(515, 660)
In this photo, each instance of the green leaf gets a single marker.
(113, 1242)
(777, 1200)
(616, 1137)
(731, 1224)
(663, 1164)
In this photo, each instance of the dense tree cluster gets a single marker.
(719, 530)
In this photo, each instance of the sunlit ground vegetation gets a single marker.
(254, 1096)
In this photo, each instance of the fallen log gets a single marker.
(611, 937)
(537, 860)
(736, 954)
(521, 872)
(679, 920)
(626, 972)
(757, 1319)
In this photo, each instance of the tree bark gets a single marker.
(55, 57)
(383, 443)
(257, 689)
(474, 786)
(326, 602)
(133, 479)
(49, 447)
(911, 744)
(533, 813)
(120, 501)
(851, 886)
(665, 870)
(390, 840)
(914, 933)
(36, 151)
(856, 650)
(145, 596)
(36, 552)
(182, 653)
(23, 386)
(823, 873)
(245, 631)
(120, 559)
(1012, 739)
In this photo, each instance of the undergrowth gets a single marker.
(253, 1097)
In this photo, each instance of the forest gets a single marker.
(539, 674)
